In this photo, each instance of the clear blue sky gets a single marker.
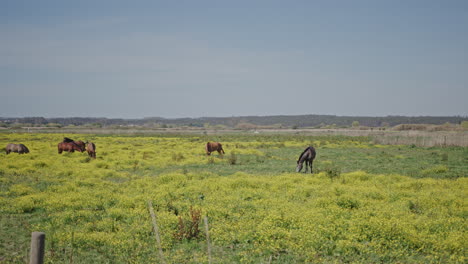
(135, 59)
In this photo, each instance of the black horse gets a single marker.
(308, 155)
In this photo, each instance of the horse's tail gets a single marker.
(221, 148)
(207, 147)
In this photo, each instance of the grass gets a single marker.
(364, 202)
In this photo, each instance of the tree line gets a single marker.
(277, 121)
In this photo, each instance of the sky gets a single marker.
(136, 59)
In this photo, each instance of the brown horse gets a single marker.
(69, 147)
(308, 155)
(91, 149)
(81, 144)
(214, 146)
(18, 148)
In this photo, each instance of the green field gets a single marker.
(365, 203)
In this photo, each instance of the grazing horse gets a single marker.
(18, 148)
(80, 144)
(214, 146)
(91, 149)
(69, 147)
(308, 155)
(68, 140)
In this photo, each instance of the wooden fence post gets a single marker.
(37, 248)
(156, 231)
(207, 238)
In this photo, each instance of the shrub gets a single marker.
(189, 228)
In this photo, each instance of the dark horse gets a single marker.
(69, 147)
(18, 148)
(91, 149)
(214, 146)
(80, 143)
(308, 155)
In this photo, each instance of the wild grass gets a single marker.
(364, 202)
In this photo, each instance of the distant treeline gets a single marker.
(279, 121)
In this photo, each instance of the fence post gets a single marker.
(156, 231)
(37, 248)
(207, 238)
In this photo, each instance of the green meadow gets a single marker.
(364, 203)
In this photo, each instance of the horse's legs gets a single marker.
(310, 166)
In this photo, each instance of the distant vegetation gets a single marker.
(243, 122)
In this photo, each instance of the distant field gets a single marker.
(377, 135)
(365, 202)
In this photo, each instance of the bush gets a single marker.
(189, 228)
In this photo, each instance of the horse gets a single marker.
(69, 147)
(91, 149)
(214, 146)
(81, 144)
(18, 148)
(308, 155)
(68, 140)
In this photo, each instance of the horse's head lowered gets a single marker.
(299, 167)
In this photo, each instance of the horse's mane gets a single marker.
(65, 139)
(303, 152)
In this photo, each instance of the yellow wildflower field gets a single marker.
(258, 209)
